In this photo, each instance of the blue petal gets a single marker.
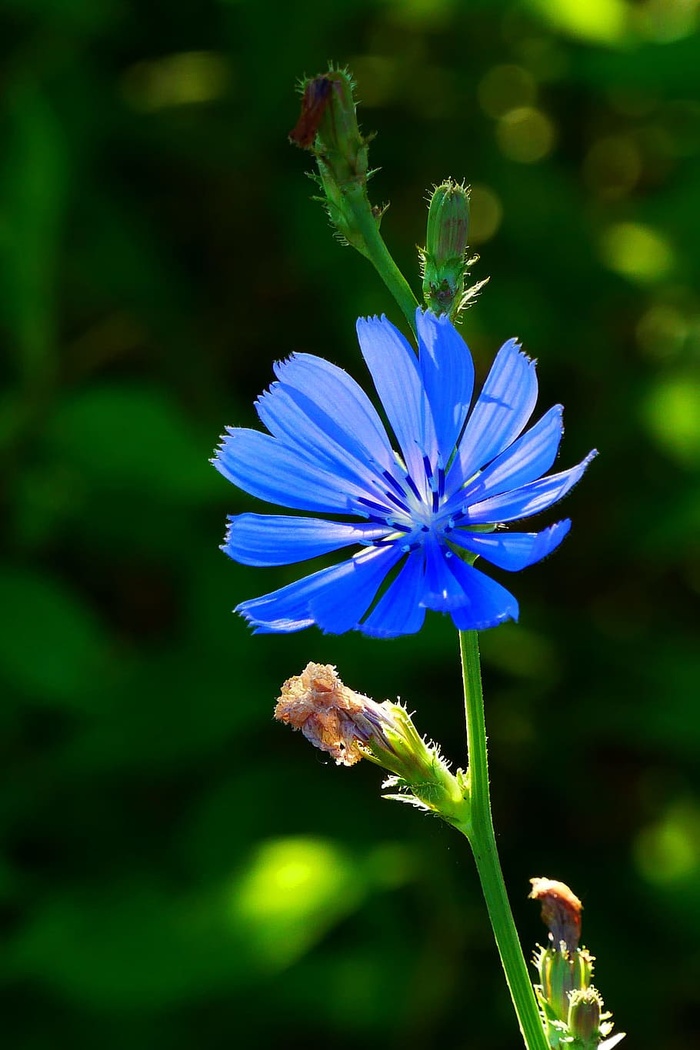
(473, 600)
(299, 425)
(524, 461)
(440, 591)
(399, 610)
(529, 499)
(513, 550)
(394, 368)
(358, 428)
(334, 599)
(269, 539)
(502, 409)
(269, 470)
(488, 603)
(448, 376)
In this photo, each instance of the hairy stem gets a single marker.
(378, 254)
(483, 842)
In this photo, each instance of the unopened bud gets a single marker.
(590, 1023)
(562, 973)
(585, 1010)
(350, 726)
(328, 127)
(448, 224)
(444, 258)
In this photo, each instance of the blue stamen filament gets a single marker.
(414, 489)
(420, 512)
(392, 481)
(397, 502)
(377, 507)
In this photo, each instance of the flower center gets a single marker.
(409, 506)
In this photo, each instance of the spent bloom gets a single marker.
(561, 911)
(571, 1007)
(419, 511)
(331, 716)
(351, 726)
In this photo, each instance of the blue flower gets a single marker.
(418, 517)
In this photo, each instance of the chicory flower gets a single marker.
(419, 515)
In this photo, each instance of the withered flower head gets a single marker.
(316, 96)
(331, 716)
(561, 911)
(350, 726)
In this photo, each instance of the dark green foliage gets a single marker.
(176, 871)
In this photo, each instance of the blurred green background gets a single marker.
(176, 870)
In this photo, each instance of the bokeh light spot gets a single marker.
(672, 414)
(669, 851)
(486, 213)
(506, 87)
(612, 166)
(662, 331)
(636, 251)
(597, 21)
(525, 135)
(176, 80)
(665, 21)
(292, 891)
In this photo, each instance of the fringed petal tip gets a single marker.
(515, 344)
(281, 626)
(278, 366)
(327, 451)
(223, 445)
(373, 319)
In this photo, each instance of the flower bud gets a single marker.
(571, 1008)
(350, 726)
(444, 259)
(585, 1011)
(328, 127)
(561, 974)
(448, 224)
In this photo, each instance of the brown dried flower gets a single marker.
(331, 716)
(561, 911)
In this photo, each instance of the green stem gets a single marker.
(378, 254)
(483, 842)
